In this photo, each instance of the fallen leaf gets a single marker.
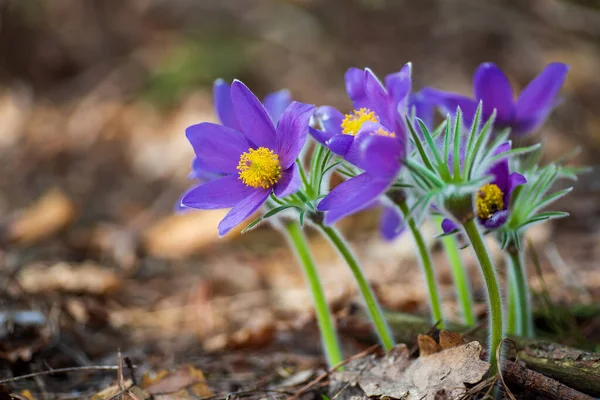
(427, 345)
(396, 376)
(132, 393)
(450, 339)
(72, 278)
(47, 216)
(186, 378)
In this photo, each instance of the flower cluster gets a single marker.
(392, 156)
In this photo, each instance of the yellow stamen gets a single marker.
(353, 121)
(383, 132)
(259, 168)
(490, 199)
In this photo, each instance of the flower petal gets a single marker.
(340, 144)
(399, 84)
(243, 210)
(351, 196)
(497, 220)
(448, 102)
(423, 109)
(201, 172)
(381, 156)
(493, 89)
(289, 182)
(292, 130)
(536, 100)
(391, 223)
(276, 103)
(355, 84)
(448, 226)
(500, 169)
(223, 105)
(330, 118)
(379, 101)
(515, 179)
(223, 192)
(217, 147)
(320, 136)
(252, 116)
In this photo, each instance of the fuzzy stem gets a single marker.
(375, 313)
(525, 321)
(460, 278)
(493, 291)
(427, 265)
(326, 326)
(512, 307)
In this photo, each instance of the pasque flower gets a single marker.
(378, 112)
(275, 103)
(492, 199)
(491, 86)
(256, 158)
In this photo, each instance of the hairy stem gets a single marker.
(326, 326)
(375, 313)
(493, 291)
(427, 266)
(521, 291)
(460, 278)
(512, 307)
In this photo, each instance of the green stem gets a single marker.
(330, 342)
(525, 321)
(493, 291)
(512, 304)
(427, 265)
(375, 313)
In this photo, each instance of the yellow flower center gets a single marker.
(489, 200)
(259, 168)
(383, 132)
(353, 121)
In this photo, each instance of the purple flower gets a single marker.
(372, 137)
(275, 103)
(491, 86)
(255, 158)
(493, 198)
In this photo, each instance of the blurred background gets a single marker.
(94, 99)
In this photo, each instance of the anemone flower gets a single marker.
(256, 159)
(492, 199)
(378, 112)
(491, 86)
(275, 103)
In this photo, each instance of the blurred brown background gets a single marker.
(94, 99)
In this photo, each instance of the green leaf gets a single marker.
(277, 210)
(417, 142)
(441, 165)
(482, 138)
(514, 152)
(252, 224)
(301, 217)
(456, 149)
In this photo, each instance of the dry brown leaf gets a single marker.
(427, 345)
(73, 278)
(132, 392)
(396, 376)
(47, 216)
(180, 235)
(450, 339)
(175, 383)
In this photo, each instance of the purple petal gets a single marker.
(423, 109)
(391, 223)
(448, 226)
(217, 147)
(292, 130)
(355, 84)
(243, 210)
(354, 153)
(399, 84)
(223, 192)
(276, 103)
(381, 156)
(351, 196)
(330, 118)
(320, 136)
(515, 179)
(289, 182)
(536, 100)
(201, 172)
(340, 144)
(252, 116)
(223, 105)
(379, 100)
(448, 102)
(500, 169)
(493, 89)
(497, 220)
